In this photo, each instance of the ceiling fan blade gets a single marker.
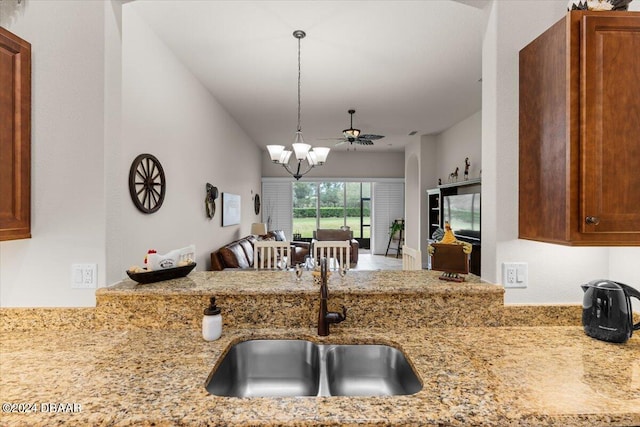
(363, 141)
(344, 141)
(371, 137)
(330, 139)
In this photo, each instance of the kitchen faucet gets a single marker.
(324, 317)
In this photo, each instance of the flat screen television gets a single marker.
(462, 212)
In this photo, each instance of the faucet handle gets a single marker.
(334, 317)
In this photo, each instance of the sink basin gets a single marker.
(369, 370)
(285, 368)
(268, 368)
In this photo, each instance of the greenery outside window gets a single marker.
(331, 204)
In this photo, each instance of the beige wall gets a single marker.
(167, 112)
(347, 164)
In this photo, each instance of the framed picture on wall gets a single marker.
(230, 209)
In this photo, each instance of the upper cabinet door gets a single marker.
(610, 118)
(579, 134)
(15, 137)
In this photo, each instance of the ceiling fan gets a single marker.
(353, 136)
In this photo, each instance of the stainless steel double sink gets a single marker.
(281, 368)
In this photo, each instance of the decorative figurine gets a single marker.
(598, 5)
(466, 168)
(453, 176)
(451, 256)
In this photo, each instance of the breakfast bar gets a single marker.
(138, 358)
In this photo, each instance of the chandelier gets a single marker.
(303, 152)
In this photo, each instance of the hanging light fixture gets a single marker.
(351, 134)
(303, 152)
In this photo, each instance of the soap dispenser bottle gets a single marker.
(212, 322)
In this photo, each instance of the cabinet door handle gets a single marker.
(592, 220)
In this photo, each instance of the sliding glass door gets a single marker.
(331, 210)
(305, 209)
(358, 211)
(332, 204)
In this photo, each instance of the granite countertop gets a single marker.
(525, 376)
(138, 358)
(276, 298)
(253, 282)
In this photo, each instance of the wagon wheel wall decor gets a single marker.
(147, 184)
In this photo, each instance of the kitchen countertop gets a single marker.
(472, 376)
(261, 282)
(276, 298)
(138, 358)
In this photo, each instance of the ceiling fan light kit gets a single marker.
(351, 132)
(355, 136)
(303, 152)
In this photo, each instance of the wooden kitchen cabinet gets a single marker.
(15, 137)
(579, 161)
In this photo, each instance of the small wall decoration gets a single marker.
(230, 209)
(147, 185)
(256, 204)
(210, 200)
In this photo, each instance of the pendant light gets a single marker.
(303, 152)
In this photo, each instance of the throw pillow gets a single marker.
(279, 235)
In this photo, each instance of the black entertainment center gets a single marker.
(459, 204)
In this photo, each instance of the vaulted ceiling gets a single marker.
(402, 65)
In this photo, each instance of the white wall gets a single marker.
(423, 151)
(555, 272)
(412, 199)
(435, 157)
(464, 139)
(67, 148)
(168, 113)
(84, 137)
(347, 164)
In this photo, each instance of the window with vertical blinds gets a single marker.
(277, 206)
(387, 205)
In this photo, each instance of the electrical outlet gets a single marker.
(84, 276)
(514, 274)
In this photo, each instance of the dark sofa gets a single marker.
(239, 253)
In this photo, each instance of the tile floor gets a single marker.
(367, 261)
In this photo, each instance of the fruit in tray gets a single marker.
(136, 269)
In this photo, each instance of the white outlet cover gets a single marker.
(84, 276)
(520, 274)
